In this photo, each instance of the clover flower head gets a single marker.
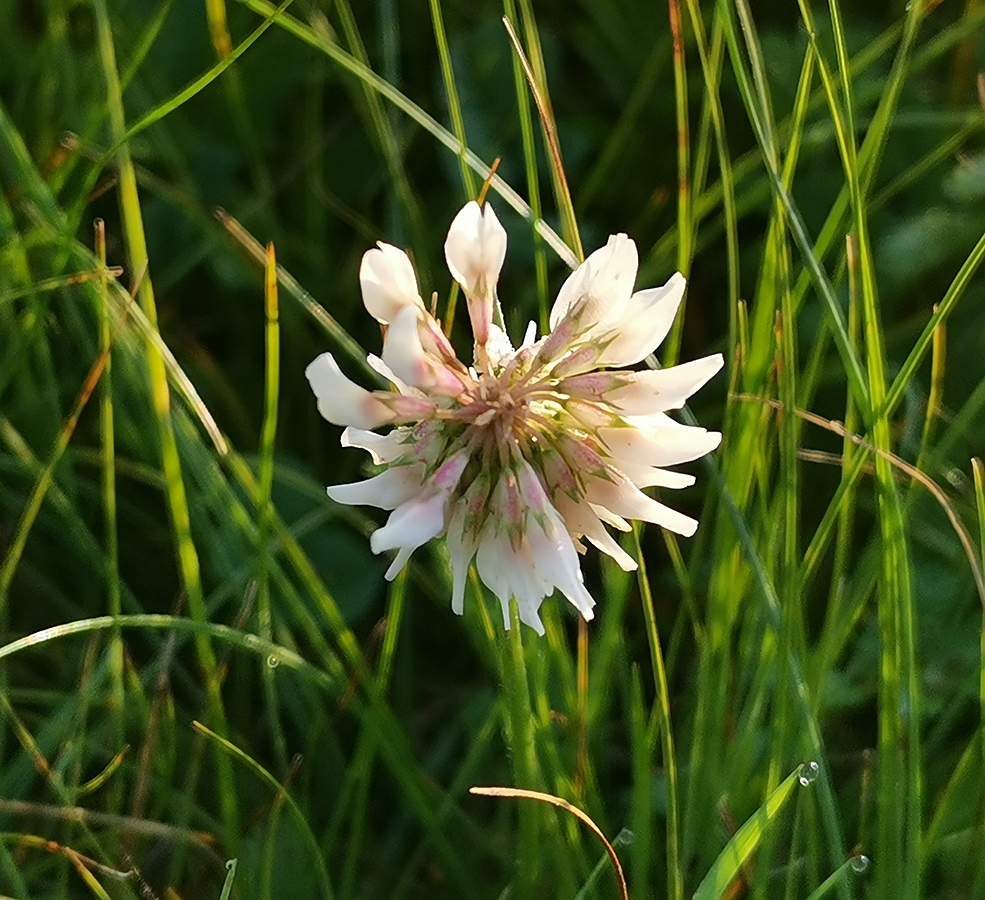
(522, 456)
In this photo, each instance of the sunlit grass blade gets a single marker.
(744, 842)
(532, 63)
(685, 222)
(542, 797)
(177, 499)
(675, 875)
(268, 437)
(798, 230)
(531, 171)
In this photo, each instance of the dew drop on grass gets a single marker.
(273, 661)
(808, 773)
(859, 863)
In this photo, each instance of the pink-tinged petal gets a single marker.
(664, 446)
(474, 250)
(531, 490)
(407, 359)
(388, 282)
(383, 448)
(555, 345)
(580, 458)
(449, 473)
(599, 289)
(558, 477)
(657, 390)
(387, 490)
(343, 402)
(581, 519)
(405, 408)
(594, 386)
(622, 497)
(648, 317)
(583, 359)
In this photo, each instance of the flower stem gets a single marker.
(523, 753)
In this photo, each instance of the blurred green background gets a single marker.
(309, 156)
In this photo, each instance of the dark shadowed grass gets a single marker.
(200, 658)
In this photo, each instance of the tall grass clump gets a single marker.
(207, 686)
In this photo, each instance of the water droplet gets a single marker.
(808, 773)
(859, 863)
(624, 838)
(273, 661)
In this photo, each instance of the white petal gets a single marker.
(644, 324)
(388, 282)
(381, 368)
(411, 524)
(599, 289)
(475, 247)
(341, 401)
(623, 498)
(530, 335)
(581, 519)
(665, 446)
(659, 389)
(386, 491)
(474, 250)
(493, 560)
(651, 476)
(556, 562)
(383, 448)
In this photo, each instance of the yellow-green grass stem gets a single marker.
(175, 494)
(675, 874)
(268, 440)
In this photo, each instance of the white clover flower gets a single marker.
(519, 457)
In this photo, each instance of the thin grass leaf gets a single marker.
(426, 121)
(312, 845)
(675, 875)
(199, 84)
(744, 842)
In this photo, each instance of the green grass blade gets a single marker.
(299, 816)
(175, 494)
(675, 875)
(268, 437)
(744, 842)
(199, 84)
(451, 92)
